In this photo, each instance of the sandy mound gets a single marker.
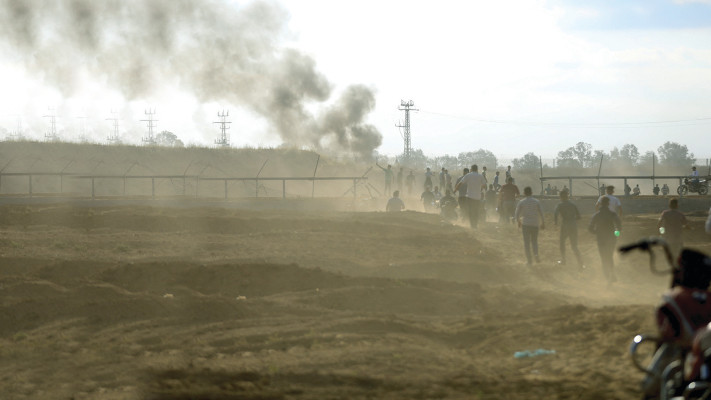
(182, 303)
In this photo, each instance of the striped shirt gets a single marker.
(529, 210)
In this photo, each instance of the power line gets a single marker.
(598, 125)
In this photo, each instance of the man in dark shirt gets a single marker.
(428, 199)
(507, 201)
(671, 224)
(568, 226)
(606, 225)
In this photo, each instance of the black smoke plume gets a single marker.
(209, 48)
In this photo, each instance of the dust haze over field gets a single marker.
(211, 296)
(299, 298)
(209, 49)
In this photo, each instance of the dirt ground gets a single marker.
(126, 302)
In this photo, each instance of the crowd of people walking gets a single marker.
(477, 201)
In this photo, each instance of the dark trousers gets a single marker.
(464, 208)
(474, 207)
(530, 240)
(569, 232)
(508, 209)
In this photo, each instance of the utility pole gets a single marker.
(407, 107)
(82, 130)
(224, 140)
(51, 136)
(17, 134)
(150, 140)
(114, 136)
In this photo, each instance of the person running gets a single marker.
(507, 201)
(410, 183)
(605, 224)
(475, 184)
(671, 225)
(395, 204)
(388, 177)
(462, 198)
(614, 204)
(569, 215)
(529, 217)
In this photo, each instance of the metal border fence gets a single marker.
(185, 178)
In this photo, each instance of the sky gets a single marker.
(508, 76)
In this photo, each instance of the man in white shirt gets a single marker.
(475, 184)
(615, 204)
(529, 216)
(694, 175)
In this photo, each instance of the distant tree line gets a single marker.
(671, 157)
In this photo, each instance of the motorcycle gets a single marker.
(699, 186)
(680, 367)
(448, 209)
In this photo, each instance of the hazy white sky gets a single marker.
(515, 76)
(509, 76)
